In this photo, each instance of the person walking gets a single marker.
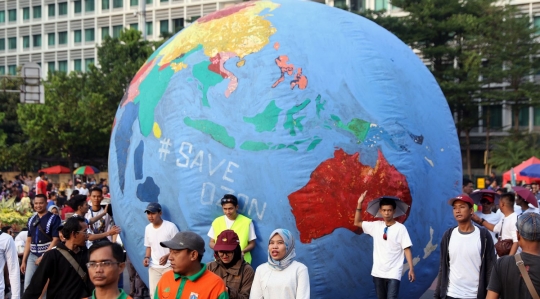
(9, 260)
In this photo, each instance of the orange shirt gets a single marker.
(202, 285)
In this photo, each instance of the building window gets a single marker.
(104, 32)
(77, 65)
(12, 15)
(12, 43)
(149, 28)
(495, 116)
(134, 26)
(89, 5)
(63, 66)
(77, 36)
(52, 39)
(62, 9)
(148, 1)
(89, 35)
(536, 119)
(52, 10)
(118, 3)
(37, 12)
(12, 70)
(178, 24)
(381, 4)
(116, 30)
(523, 116)
(105, 4)
(36, 40)
(133, 2)
(536, 23)
(2, 44)
(26, 13)
(50, 66)
(87, 63)
(62, 38)
(77, 6)
(2, 16)
(164, 1)
(2, 70)
(26, 42)
(163, 27)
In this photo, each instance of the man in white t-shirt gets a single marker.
(467, 255)
(487, 202)
(102, 224)
(506, 228)
(157, 257)
(390, 242)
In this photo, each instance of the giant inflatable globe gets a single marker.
(296, 108)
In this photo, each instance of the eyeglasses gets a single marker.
(104, 264)
(222, 253)
(84, 231)
(227, 200)
(384, 234)
(485, 202)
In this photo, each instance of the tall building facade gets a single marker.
(62, 35)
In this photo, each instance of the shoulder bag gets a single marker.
(526, 277)
(503, 246)
(73, 263)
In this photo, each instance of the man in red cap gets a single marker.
(487, 202)
(231, 266)
(467, 255)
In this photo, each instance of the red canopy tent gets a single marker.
(507, 175)
(57, 169)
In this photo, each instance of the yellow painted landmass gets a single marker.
(247, 32)
(157, 130)
(178, 66)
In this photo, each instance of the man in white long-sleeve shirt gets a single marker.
(8, 255)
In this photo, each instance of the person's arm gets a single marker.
(54, 241)
(513, 234)
(514, 248)
(443, 246)
(302, 289)
(492, 295)
(25, 254)
(249, 247)
(163, 259)
(99, 216)
(408, 256)
(12, 262)
(245, 288)
(44, 271)
(212, 243)
(147, 256)
(358, 213)
(113, 231)
(483, 222)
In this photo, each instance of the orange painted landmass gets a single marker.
(288, 68)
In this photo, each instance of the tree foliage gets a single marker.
(514, 149)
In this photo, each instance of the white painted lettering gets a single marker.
(225, 177)
(181, 151)
(210, 170)
(242, 204)
(208, 199)
(226, 191)
(254, 203)
(198, 160)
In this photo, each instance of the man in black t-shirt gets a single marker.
(506, 281)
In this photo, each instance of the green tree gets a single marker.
(514, 149)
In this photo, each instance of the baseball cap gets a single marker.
(229, 198)
(462, 197)
(227, 241)
(489, 197)
(528, 226)
(153, 207)
(185, 240)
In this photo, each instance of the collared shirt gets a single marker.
(122, 295)
(201, 285)
(49, 224)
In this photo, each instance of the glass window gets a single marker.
(2, 16)
(2, 44)
(116, 31)
(12, 15)
(2, 70)
(62, 9)
(536, 23)
(104, 32)
(523, 117)
(164, 1)
(536, 119)
(87, 63)
(77, 65)
(26, 42)
(36, 40)
(12, 69)
(52, 10)
(63, 66)
(149, 28)
(133, 2)
(77, 36)
(381, 4)
(89, 35)
(50, 66)
(89, 5)
(12, 43)
(134, 26)
(178, 24)
(37, 12)
(495, 116)
(148, 1)
(77, 6)
(105, 4)
(62, 38)
(26, 13)
(51, 38)
(118, 3)
(163, 26)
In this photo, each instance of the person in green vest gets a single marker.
(240, 224)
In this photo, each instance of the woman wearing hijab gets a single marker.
(281, 277)
(230, 265)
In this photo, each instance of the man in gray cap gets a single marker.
(506, 280)
(189, 275)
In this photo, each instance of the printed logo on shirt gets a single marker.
(167, 289)
(193, 295)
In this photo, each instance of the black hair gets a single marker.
(117, 250)
(74, 192)
(96, 189)
(77, 201)
(41, 196)
(466, 181)
(5, 229)
(41, 173)
(509, 197)
(51, 194)
(231, 197)
(72, 225)
(199, 255)
(387, 202)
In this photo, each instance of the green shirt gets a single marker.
(122, 295)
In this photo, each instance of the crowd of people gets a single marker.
(76, 251)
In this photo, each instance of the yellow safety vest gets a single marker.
(240, 227)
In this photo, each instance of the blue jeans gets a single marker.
(386, 288)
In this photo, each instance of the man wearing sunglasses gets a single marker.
(487, 202)
(390, 242)
(240, 224)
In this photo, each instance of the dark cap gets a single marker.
(229, 198)
(462, 197)
(528, 226)
(489, 197)
(153, 207)
(185, 240)
(227, 241)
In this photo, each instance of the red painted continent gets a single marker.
(329, 199)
